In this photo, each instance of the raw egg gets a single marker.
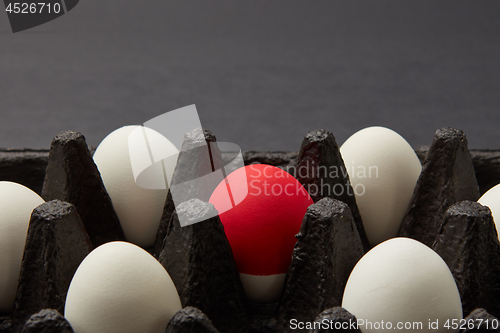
(383, 170)
(492, 199)
(402, 285)
(136, 173)
(16, 205)
(120, 288)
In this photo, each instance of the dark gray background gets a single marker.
(262, 73)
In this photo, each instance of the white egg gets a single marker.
(402, 281)
(492, 199)
(383, 170)
(16, 205)
(120, 288)
(138, 201)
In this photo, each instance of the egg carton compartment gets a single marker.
(78, 216)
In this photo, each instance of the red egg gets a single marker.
(261, 227)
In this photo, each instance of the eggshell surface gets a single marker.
(119, 287)
(139, 209)
(491, 199)
(261, 229)
(402, 281)
(16, 205)
(383, 170)
(263, 288)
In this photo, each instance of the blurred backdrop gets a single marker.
(261, 73)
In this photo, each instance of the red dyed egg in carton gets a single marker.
(78, 216)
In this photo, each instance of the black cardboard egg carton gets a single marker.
(78, 216)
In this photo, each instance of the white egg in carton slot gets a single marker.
(400, 280)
